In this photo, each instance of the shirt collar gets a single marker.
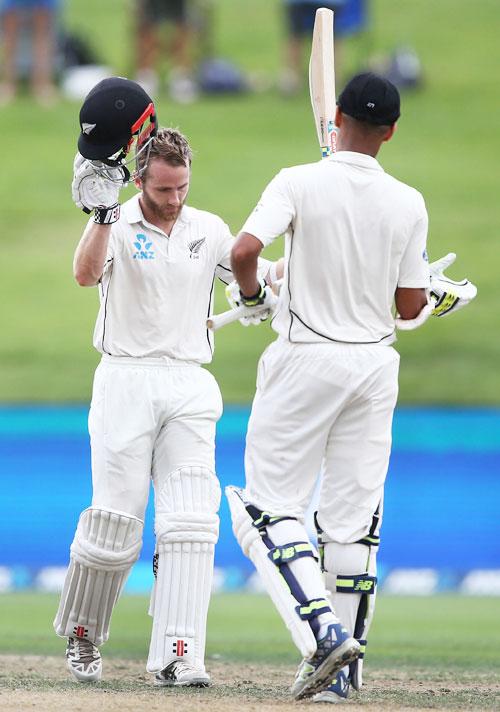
(356, 159)
(133, 213)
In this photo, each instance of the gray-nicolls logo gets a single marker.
(195, 247)
(87, 128)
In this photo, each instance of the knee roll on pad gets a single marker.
(106, 545)
(187, 529)
(255, 532)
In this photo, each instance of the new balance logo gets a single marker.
(195, 247)
(180, 648)
(143, 246)
(364, 586)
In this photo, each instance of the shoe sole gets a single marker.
(324, 673)
(330, 697)
(85, 679)
(190, 683)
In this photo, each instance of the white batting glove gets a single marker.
(447, 295)
(97, 188)
(263, 304)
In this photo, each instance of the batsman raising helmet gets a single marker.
(154, 408)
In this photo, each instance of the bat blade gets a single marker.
(322, 80)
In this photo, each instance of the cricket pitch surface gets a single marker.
(43, 683)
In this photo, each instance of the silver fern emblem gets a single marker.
(195, 247)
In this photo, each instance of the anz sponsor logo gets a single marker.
(143, 247)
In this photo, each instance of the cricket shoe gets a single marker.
(181, 674)
(84, 660)
(337, 692)
(335, 650)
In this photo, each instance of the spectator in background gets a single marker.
(38, 18)
(151, 16)
(350, 17)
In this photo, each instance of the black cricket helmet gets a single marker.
(117, 117)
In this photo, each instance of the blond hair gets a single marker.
(170, 146)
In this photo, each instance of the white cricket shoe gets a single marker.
(84, 660)
(179, 673)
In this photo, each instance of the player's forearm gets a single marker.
(244, 257)
(410, 302)
(90, 255)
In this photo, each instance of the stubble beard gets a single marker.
(159, 211)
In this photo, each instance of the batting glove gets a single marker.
(97, 187)
(447, 295)
(264, 302)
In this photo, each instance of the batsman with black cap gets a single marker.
(154, 408)
(355, 243)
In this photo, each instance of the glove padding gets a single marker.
(263, 309)
(96, 186)
(447, 295)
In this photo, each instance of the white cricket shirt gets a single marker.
(352, 235)
(157, 290)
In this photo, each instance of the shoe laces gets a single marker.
(84, 650)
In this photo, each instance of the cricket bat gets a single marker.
(322, 89)
(322, 81)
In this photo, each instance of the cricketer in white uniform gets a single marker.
(153, 416)
(355, 242)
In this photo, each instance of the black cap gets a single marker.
(371, 98)
(108, 115)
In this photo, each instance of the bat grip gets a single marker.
(217, 321)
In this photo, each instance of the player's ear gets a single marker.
(338, 117)
(138, 183)
(390, 132)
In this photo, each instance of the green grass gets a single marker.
(441, 652)
(408, 632)
(446, 146)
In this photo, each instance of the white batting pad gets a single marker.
(344, 564)
(105, 546)
(187, 529)
(252, 545)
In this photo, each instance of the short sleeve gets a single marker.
(414, 267)
(274, 212)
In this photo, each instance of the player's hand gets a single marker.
(447, 295)
(96, 186)
(263, 304)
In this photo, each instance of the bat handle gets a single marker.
(217, 321)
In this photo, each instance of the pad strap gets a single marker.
(312, 609)
(285, 554)
(360, 583)
(363, 644)
(262, 520)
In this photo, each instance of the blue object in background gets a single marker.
(441, 499)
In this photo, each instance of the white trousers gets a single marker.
(148, 417)
(328, 408)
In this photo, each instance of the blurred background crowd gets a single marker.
(174, 50)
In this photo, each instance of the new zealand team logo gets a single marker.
(194, 248)
(143, 247)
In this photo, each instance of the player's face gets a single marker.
(164, 189)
